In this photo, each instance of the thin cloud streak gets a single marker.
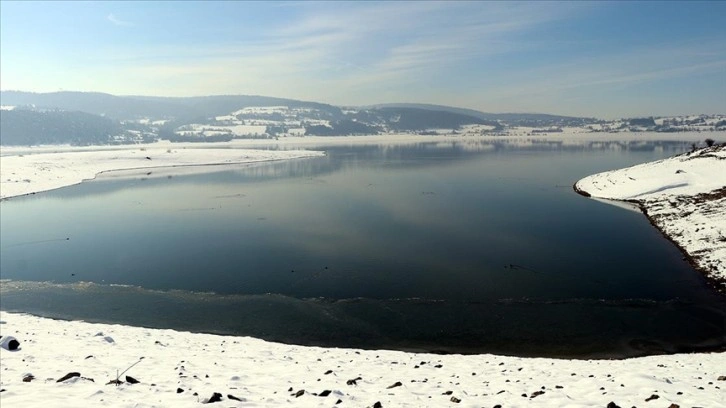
(121, 23)
(322, 47)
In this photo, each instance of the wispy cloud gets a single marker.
(485, 55)
(626, 68)
(116, 21)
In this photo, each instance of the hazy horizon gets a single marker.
(605, 60)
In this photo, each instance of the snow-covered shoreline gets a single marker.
(683, 196)
(186, 369)
(262, 373)
(32, 170)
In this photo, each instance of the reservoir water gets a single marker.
(466, 247)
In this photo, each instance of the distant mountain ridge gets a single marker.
(132, 107)
(99, 118)
(129, 107)
(506, 117)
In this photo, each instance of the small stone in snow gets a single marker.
(674, 406)
(652, 397)
(299, 393)
(216, 397)
(131, 380)
(28, 378)
(10, 343)
(69, 376)
(448, 393)
(179, 390)
(378, 405)
(328, 372)
(324, 393)
(232, 397)
(455, 400)
(721, 378)
(396, 384)
(536, 393)
(338, 401)
(613, 405)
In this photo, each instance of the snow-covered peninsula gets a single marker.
(683, 196)
(30, 170)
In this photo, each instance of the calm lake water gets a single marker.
(445, 247)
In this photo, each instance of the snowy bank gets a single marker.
(183, 369)
(32, 170)
(684, 196)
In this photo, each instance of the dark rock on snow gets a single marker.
(299, 393)
(28, 378)
(652, 397)
(132, 380)
(179, 390)
(324, 393)
(232, 397)
(455, 400)
(396, 384)
(69, 376)
(216, 397)
(613, 405)
(9, 343)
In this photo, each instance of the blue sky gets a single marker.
(609, 60)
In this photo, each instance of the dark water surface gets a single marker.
(465, 247)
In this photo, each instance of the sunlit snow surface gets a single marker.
(48, 169)
(183, 369)
(684, 196)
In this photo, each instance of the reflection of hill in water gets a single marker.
(439, 153)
